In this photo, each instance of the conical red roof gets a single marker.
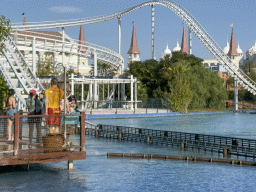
(134, 47)
(184, 46)
(232, 47)
(81, 38)
(24, 21)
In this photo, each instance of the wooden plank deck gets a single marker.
(42, 158)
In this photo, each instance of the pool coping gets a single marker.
(141, 115)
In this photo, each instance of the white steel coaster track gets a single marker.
(191, 22)
(71, 46)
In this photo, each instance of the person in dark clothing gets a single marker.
(34, 108)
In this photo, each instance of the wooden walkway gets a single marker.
(18, 152)
(219, 144)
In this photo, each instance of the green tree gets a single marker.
(182, 80)
(5, 29)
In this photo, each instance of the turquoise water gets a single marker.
(100, 173)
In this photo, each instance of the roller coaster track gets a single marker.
(52, 44)
(17, 72)
(190, 21)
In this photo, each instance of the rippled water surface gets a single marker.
(99, 173)
(222, 124)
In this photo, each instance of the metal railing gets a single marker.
(143, 105)
(220, 144)
(31, 134)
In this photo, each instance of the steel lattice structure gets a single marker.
(116, 60)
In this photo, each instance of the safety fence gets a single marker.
(28, 134)
(220, 144)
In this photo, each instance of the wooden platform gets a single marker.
(20, 151)
(42, 158)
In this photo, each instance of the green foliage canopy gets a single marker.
(182, 80)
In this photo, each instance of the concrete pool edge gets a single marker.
(140, 115)
(184, 158)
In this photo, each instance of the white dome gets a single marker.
(253, 47)
(177, 48)
(239, 50)
(226, 49)
(167, 51)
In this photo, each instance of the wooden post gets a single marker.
(20, 125)
(182, 145)
(96, 133)
(226, 152)
(149, 139)
(16, 133)
(82, 132)
(70, 164)
(120, 137)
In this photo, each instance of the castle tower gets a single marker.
(232, 53)
(82, 63)
(232, 46)
(134, 50)
(24, 20)
(184, 46)
(81, 39)
(167, 52)
(177, 48)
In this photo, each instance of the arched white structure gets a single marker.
(190, 21)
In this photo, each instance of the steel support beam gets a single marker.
(131, 92)
(119, 35)
(63, 45)
(236, 94)
(190, 41)
(153, 30)
(34, 55)
(95, 89)
(82, 96)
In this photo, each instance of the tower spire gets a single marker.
(24, 20)
(81, 38)
(232, 47)
(134, 47)
(184, 46)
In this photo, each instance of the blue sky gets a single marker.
(214, 15)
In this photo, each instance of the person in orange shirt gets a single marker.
(53, 96)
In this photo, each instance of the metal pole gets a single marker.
(236, 95)
(136, 93)
(189, 41)
(103, 90)
(63, 46)
(65, 103)
(131, 92)
(72, 83)
(34, 55)
(95, 98)
(153, 30)
(82, 99)
(119, 35)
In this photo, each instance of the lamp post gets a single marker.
(61, 66)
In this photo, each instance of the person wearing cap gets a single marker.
(34, 108)
(53, 97)
(11, 105)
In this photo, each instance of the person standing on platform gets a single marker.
(34, 108)
(53, 96)
(11, 106)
